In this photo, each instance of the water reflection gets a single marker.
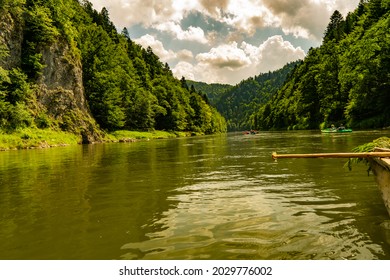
(215, 197)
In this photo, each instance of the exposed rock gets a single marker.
(11, 36)
(62, 72)
(60, 91)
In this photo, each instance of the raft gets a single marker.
(380, 166)
(330, 130)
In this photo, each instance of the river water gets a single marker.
(212, 197)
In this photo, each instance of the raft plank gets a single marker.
(332, 155)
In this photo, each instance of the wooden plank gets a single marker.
(386, 160)
(333, 155)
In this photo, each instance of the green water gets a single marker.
(214, 197)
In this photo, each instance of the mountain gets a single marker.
(213, 91)
(64, 66)
(345, 80)
(238, 103)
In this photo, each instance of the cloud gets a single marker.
(302, 18)
(248, 15)
(273, 54)
(306, 18)
(157, 46)
(224, 32)
(185, 55)
(184, 69)
(298, 18)
(225, 56)
(286, 6)
(214, 7)
(231, 63)
(195, 34)
(145, 12)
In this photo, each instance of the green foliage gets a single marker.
(38, 138)
(212, 91)
(126, 86)
(14, 92)
(130, 136)
(238, 104)
(382, 142)
(13, 6)
(346, 80)
(39, 25)
(335, 28)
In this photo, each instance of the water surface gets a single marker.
(213, 197)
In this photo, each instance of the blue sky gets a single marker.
(225, 41)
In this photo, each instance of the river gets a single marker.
(211, 197)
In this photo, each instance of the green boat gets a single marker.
(336, 130)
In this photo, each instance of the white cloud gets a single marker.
(225, 56)
(185, 55)
(235, 59)
(306, 18)
(275, 52)
(231, 63)
(195, 34)
(157, 46)
(303, 18)
(248, 15)
(146, 12)
(184, 69)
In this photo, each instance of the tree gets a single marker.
(335, 28)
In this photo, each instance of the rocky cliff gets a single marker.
(59, 90)
(11, 37)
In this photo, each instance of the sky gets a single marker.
(225, 41)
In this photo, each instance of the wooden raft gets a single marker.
(332, 155)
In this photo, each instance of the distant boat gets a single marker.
(252, 132)
(336, 130)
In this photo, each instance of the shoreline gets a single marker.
(33, 138)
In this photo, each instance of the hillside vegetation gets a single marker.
(64, 67)
(345, 80)
(238, 103)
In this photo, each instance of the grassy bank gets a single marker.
(30, 138)
(131, 136)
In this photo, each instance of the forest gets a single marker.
(239, 103)
(344, 81)
(64, 65)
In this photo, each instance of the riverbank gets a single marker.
(33, 138)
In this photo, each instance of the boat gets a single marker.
(251, 132)
(336, 130)
(380, 166)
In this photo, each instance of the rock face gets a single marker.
(63, 72)
(60, 91)
(11, 36)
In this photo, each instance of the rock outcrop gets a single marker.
(11, 36)
(59, 91)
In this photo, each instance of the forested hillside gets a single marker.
(63, 65)
(238, 103)
(346, 80)
(212, 91)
